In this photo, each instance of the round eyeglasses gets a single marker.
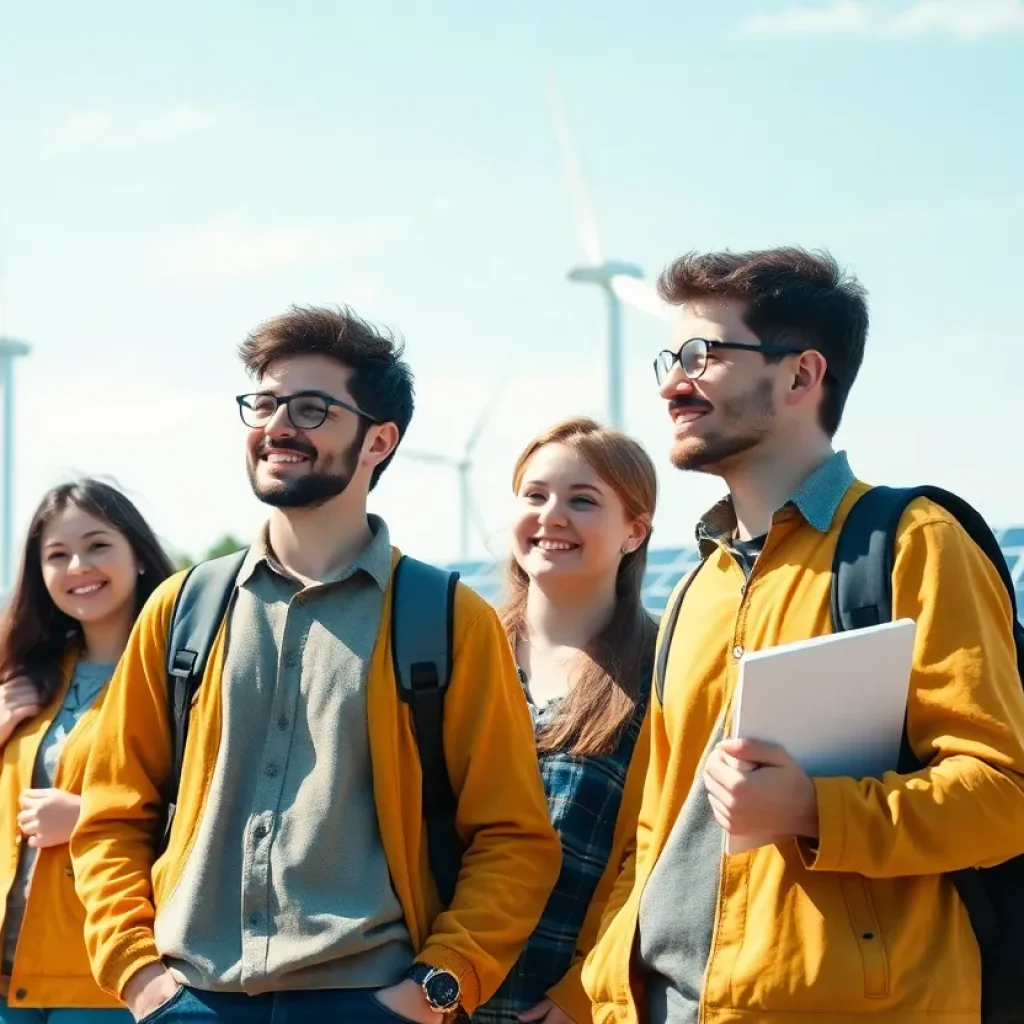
(307, 410)
(693, 356)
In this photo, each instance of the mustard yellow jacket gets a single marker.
(51, 966)
(865, 923)
(513, 856)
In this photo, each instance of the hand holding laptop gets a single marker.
(756, 789)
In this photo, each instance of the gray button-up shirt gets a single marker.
(287, 885)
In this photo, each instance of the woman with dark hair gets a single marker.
(89, 564)
(585, 500)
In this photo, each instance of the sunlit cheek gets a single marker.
(53, 577)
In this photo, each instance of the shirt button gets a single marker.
(282, 723)
(737, 652)
(20, 994)
(260, 831)
(272, 771)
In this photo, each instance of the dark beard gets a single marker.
(752, 412)
(314, 489)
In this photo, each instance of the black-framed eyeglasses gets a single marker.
(693, 356)
(307, 410)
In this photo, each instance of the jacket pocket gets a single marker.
(868, 934)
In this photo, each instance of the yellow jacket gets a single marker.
(866, 923)
(513, 856)
(569, 994)
(51, 966)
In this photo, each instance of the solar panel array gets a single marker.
(665, 567)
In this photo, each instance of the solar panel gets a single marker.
(666, 566)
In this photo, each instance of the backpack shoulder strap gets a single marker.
(667, 631)
(865, 552)
(199, 610)
(422, 621)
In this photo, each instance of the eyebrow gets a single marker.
(573, 487)
(85, 536)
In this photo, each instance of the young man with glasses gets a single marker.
(296, 883)
(853, 914)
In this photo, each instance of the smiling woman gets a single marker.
(585, 498)
(89, 564)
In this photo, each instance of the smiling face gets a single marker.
(294, 468)
(569, 524)
(731, 408)
(88, 567)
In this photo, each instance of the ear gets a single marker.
(380, 442)
(638, 532)
(809, 368)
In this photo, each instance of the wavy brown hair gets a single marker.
(34, 632)
(605, 695)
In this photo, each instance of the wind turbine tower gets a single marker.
(620, 282)
(10, 349)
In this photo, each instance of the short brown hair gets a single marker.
(381, 383)
(601, 704)
(793, 297)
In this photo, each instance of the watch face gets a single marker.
(443, 990)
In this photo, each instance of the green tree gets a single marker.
(227, 545)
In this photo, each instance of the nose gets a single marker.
(77, 563)
(279, 425)
(552, 514)
(676, 383)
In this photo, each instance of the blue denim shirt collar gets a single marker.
(817, 500)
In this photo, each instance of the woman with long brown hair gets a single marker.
(89, 564)
(585, 500)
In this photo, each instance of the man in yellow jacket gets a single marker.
(296, 881)
(853, 915)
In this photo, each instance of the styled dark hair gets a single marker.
(34, 632)
(792, 297)
(381, 383)
(602, 702)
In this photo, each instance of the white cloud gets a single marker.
(970, 19)
(107, 128)
(966, 19)
(846, 16)
(230, 249)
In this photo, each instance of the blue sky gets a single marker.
(170, 178)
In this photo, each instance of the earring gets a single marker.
(626, 549)
(142, 570)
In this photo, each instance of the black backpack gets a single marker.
(422, 614)
(862, 596)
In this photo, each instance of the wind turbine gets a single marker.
(621, 282)
(10, 349)
(463, 466)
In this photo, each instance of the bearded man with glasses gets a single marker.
(298, 878)
(847, 906)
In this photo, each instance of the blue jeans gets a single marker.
(344, 1006)
(70, 1015)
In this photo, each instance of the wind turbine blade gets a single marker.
(487, 411)
(636, 292)
(429, 458)
(579, 194)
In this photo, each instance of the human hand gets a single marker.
(19, 701)
(757, 789)
(48, 816)
(148, 989)
(406, 999)
(547, 1013)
